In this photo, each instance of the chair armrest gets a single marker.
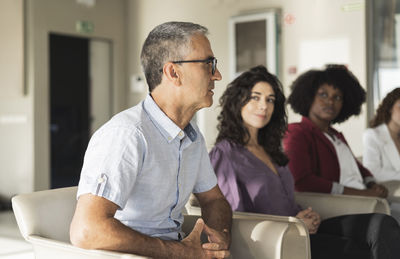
(46, 248)
(264, 236)
(331, 205)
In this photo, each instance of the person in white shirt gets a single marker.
(382, 140)
(381, 153)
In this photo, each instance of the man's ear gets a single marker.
(172, 72)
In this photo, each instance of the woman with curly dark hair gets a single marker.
(382, 141)
(320, 158)
(248, 154)
(253, 175)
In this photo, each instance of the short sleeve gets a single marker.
(206, 179)
(112, 162)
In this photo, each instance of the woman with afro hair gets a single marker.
(252, 173)
(382, 140)
(320, 158)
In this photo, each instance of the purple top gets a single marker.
(249, 184)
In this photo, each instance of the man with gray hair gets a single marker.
(141, 166)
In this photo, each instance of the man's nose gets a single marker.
(217, 75)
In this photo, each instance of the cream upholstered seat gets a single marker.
(44, 218)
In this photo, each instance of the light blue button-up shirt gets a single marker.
(143, 162)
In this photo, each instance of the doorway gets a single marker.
(80, 101)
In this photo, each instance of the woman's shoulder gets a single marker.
(382, 130)
(302, 126)
(296, 126)
(369, 132)
(298, 129)
(224, 146)
(300, 135)
(379, 132)
(224, 156)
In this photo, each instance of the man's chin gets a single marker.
(207, 104)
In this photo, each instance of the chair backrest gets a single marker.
(44, 218)
(46, 213)
(331, 205)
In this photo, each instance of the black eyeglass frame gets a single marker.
(209, 60)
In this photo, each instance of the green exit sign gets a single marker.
(84, 26)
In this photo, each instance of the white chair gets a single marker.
(326, 205)
(44, 218)
(285, 237)
(259, 236)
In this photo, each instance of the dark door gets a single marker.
(69, 107)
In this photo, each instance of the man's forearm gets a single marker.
(217, 214)
(112, 235)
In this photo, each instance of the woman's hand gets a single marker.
(310, 218)
(379, 189)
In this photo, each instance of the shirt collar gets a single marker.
(191, 132)
(164, 124)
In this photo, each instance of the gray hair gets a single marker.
(166, 42)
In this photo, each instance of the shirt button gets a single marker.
(181, 134)
(169, 138)
(100, 180)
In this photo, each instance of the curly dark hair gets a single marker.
(305, 87)
(384, 111)
(237, 94)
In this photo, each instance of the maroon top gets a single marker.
(249, 185)
(312, 157)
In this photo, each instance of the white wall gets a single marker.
(315, 20)
(60, 16)
(16, 135)
(24, 118)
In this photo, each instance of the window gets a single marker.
(383, 49)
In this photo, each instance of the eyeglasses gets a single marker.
(211, 60)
